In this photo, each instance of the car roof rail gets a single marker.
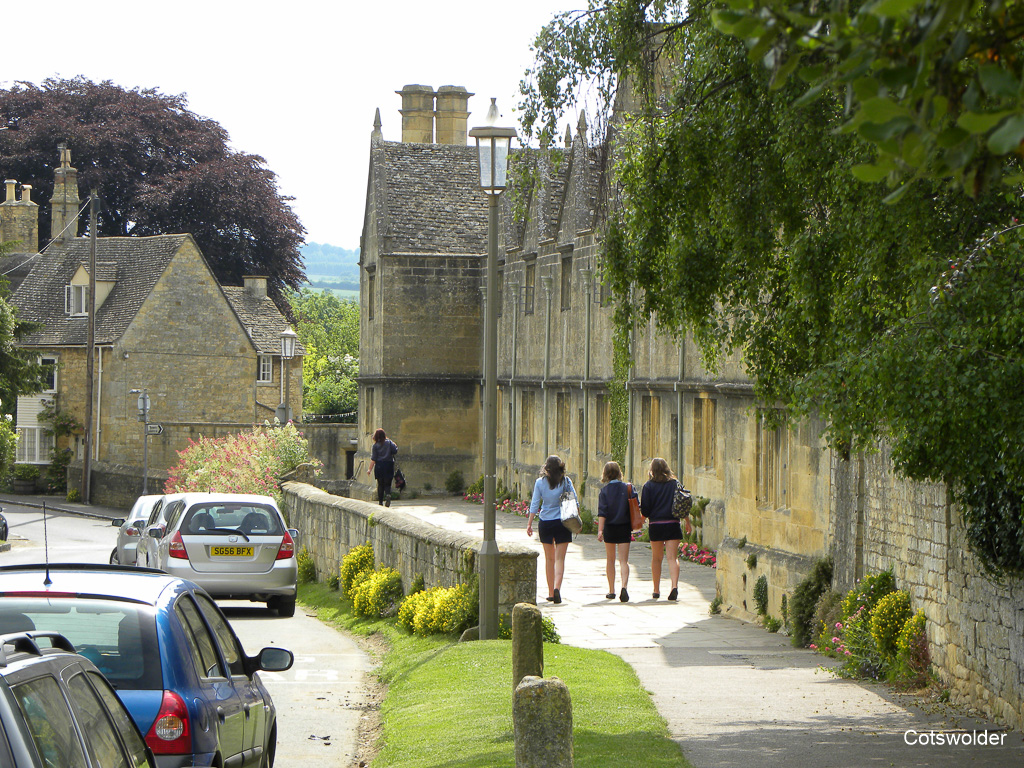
(81, 567)
(25, 642)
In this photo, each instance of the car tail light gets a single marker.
(287, 548)
(176, 549)
(131, 531)
(170, 734)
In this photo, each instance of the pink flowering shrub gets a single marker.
(696, 554)
(248, 462)
(512, 506)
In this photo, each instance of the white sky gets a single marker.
(295, 82)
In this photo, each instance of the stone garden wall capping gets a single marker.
(329, 526)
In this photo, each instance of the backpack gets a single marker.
(682, 501)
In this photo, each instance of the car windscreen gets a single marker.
(218, 518)
(118, 637)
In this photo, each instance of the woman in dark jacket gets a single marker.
(382, 464)
(656, 500)
(613, 527)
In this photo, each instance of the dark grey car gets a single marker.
(56, 709)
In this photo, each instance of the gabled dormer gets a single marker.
(76, 292)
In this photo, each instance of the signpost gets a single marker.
(148, 429)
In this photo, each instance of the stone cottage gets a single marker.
(779, 494)
(208, 356)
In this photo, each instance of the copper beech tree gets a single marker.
(159, 169)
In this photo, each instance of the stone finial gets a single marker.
(568, 136)
(65, 155)
(377, 136)
(527, 642)
(542, 723)
(581, 127)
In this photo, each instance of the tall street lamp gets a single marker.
(493, 145)
(288, 337)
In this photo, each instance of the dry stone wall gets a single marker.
(329, 526)
(975, 624)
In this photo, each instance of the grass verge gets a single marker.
(450, 703)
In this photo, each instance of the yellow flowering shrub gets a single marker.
(357, 561)
(379, 594)
(887, 620)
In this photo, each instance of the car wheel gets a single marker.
(286, 606)
(113, 557)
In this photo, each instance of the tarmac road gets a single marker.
(320, 700)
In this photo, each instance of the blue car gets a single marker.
(168, 651)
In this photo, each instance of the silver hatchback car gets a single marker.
(129, 529)
(235, 546)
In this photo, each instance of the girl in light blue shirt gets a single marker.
(555, 537)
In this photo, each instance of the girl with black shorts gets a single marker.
(613, 527)
(547, 501)
(656, 500)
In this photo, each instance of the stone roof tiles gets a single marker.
(428, 199)
(262, 319)
(137, 262)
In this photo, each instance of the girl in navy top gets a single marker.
(613, 527)
(656, 500)
(547, 495)
(382, 464)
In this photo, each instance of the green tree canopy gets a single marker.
(329, 329)
(159, 169)
(937, 86)
(737, 219)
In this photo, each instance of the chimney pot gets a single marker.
(255, 286)
(11, 183)
(26, 193)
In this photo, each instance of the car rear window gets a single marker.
(119, 638)
(220, 518)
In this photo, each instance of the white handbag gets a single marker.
(571, 512)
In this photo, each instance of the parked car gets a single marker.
(168, 651)
(56, 709)
(129, 529)
(235, 546)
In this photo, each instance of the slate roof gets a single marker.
(428, 198)
(138, 263)
(262, 319)
(16, 266)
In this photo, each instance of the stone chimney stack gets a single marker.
(64, 204)
(255, 286)
(451, 114)
(19, 219)
(417, 114)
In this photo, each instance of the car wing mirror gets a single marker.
(294, 533)
(275, 659)
(117, 522)
(155, 532)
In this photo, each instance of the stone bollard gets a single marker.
(542, 723)
(527, 642)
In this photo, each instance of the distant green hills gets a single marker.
(333, 269)
(328, 263)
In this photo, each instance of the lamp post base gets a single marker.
(489, 590)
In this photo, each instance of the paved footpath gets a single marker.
(732, 693)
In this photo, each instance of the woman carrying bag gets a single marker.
(547, 501)
(656, 500)
(614, 527)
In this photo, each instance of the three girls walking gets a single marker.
(614, 527)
